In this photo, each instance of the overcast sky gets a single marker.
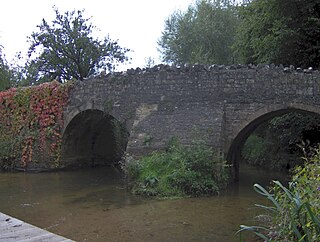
(137, 24)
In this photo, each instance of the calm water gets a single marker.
(93, 205)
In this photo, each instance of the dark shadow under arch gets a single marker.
(234, 152)
(93, 138)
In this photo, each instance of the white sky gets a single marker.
(137, 24)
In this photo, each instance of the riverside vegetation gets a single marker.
(279, 143)
(178, 171)
(294, 211)
(31, 124)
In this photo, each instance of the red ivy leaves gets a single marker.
(33, 118)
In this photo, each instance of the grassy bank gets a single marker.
(178, 171)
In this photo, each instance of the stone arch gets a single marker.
(92, 138)
(243, 131)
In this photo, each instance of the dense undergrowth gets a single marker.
(178, 171)
(294, 213)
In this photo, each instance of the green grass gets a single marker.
(179, 171)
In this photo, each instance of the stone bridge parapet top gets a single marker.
(214, 67)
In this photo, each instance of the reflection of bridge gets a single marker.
(223, 104)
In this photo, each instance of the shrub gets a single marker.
(265, 152)
(178, 171)
(254, 150)
(294, 214)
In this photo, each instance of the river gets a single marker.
(94, 205)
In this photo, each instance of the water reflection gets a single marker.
(94, 205)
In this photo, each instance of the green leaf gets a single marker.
(259, 189)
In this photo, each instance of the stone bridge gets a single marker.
(140, 110)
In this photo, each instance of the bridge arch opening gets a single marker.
(93, 138)
(235, 151)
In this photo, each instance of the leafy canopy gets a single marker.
(203, 34)
(5, 73)
(280, 32)
(66, 49)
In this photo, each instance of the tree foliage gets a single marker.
(66, 49)
(5, 73)
(283, 140)
(203, 34)
(280, 32)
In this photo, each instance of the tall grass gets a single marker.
(293, 213)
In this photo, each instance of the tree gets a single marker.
(6, 75)
(308, 23)
(280, 32)
(66, 49)
(149, 62)
(203, 34)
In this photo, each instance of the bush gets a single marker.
(254, 150)
(264, 152)
(178, 171)
(294, 215)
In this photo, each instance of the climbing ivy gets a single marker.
(31, 123)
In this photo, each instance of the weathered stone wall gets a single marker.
(221, 103)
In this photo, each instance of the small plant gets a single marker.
(108, 106)
(147, 140)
